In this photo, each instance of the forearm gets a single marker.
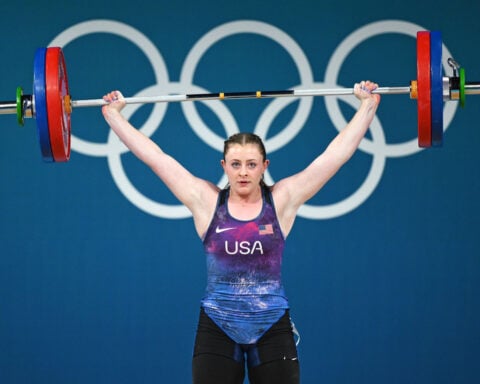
(308, 182)
(139, 144)
(348, 140)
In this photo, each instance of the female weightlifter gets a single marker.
(244, 316)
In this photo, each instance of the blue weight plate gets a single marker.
(436, 87)
(39, 94)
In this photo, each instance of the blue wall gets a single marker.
(101, 272)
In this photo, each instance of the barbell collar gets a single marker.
(10, 107)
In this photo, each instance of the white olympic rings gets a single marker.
(377, 146)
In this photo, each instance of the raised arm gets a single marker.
(290, 193)
(198, 195)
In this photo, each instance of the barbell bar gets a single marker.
(51, 104)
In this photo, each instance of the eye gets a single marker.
(235, 164)
(252, 165)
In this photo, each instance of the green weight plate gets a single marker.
(20, 119)
(461, 73)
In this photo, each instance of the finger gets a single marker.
(366, 87)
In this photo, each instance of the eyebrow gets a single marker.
(245, 160)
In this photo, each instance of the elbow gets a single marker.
(340, 152)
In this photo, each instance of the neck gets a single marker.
(245, 207)
(248, 198)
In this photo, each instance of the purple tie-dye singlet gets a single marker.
(244, 294)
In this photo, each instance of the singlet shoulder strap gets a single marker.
(222, 197)
(267, 194)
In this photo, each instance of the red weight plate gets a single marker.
(56, 91)
(424, 102)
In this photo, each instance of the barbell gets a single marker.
(51, 104)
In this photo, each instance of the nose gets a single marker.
(243, 170)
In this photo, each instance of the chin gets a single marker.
(245, 188)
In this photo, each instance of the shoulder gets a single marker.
(285, 207)
(204, 208)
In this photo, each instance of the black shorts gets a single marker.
(276, 345)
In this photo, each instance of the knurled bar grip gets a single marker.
(239, 95)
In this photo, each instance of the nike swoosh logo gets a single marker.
(220, 230)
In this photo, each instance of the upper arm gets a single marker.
(198, 195)
(293, 191)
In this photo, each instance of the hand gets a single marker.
(115, 101)
(363, 91)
